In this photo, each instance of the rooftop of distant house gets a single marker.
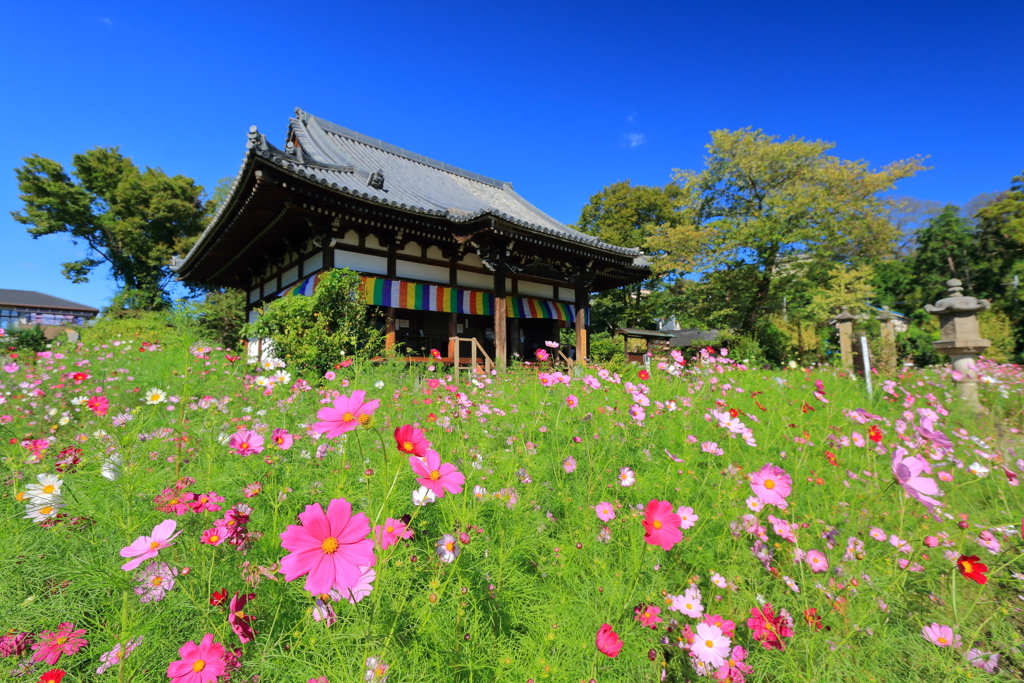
(27, 300)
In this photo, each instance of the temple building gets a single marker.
(444, 252)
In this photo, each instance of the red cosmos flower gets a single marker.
(806, 407)
(218, 597)
(734, 412)
(831, 458)
(435, 353)
(644, 375)
(875, 434)
(411, 440)
(241, 623)
(608, 641)
(52, 676)
(761, 406)
(812, 618)
(661, 524)
(971, 569)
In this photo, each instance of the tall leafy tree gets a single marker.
(946, 248)
(765, 202)
(627, 215)
(130, 219)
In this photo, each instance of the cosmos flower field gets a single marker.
(171, 512)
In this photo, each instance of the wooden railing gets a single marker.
(569, 362)
(475, 348)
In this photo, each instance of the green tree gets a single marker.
(946, 248)
(132, 220)
(761, 201)
(627, 215)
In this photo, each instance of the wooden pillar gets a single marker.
(452, 332)
(582, 300)
(328, 254)
(389, 328)
(500, 318)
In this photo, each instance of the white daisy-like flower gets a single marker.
(422, 496)
(40, 512)
(264, 381)
(155, 396)
(79, 400)
(47, 490)
(978, 469)
(379, 384)
(64, 419)
(281, 377)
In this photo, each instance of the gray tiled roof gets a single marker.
(23, 298)
(344, 160)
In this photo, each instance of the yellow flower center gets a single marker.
(198, 665)
(709, 643)
(155, 545)
(49, 488)
(244, 445)
(240, 614)
(330, 545)
(407, 447)
(364, 419)
(20, 496)
(435, 475)
(62, 640)
(967, 567)
(390, 529)
(657, 524)
(214, 538)
(942, 641)
(348, 417)
(157, 580)
(46, 510)
(769, 484)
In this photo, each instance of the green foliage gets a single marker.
(995, 326)
(221, 316)
(766, 203)
(142, 326)
(742, 349)
(313, 333)
(604, 348)
(627, 215)
(25, 339)
(132, 221)
(945, 249)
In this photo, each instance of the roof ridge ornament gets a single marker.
(376, 180)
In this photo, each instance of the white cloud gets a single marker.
(635, 139)
(106, 22)
(631, 118)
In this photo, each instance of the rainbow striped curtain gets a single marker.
(303, 287)
(400, 294)
(522, 307)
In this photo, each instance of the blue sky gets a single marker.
(559, 98)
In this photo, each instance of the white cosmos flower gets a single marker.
(154, 396)
(111, 468)
(47, 490)
(39, 512)
(281, 377)
(422, 496)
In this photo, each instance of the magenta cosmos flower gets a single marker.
(329, 547)
(203, 663)
(817, 560)
(435, 475)
(907, 473)
(66, 640)
(608, 641)
(411, 441)
(246, 442)
(147, 547)
(282, 439)
(605, 512)
(771, 485)
(346, 413)
(239, 620)
(392, 530)
(661, 525)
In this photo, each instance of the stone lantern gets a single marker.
(844, 321)
(960, 338)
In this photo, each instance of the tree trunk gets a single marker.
(761, 295)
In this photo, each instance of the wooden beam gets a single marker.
(500, 318)
(582, 300)
(389, 328)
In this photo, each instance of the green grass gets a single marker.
(525, 598)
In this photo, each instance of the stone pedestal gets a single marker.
(844, 321)
(960, 338)
(887, 357)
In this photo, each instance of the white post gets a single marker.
(867, 362)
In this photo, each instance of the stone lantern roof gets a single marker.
(956, 302)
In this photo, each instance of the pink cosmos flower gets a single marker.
(637, 413)
(605, 511)
(147, 547)
(686, 517)
(878, 534)
(817, 560)
(246, 442)
(203, 663)
(648, 616)
(436, 476)
(907, 473)
(945, 476)
(735, 669)
(771, 485)
(608, 641)
(569, 465)
(392, 530)
(282, 439)
(572, 401)
(363, 588)
(329, 547)
(627, 477)
(661, 525)
(728, 627)
(157, 578)
(346, 413)
(769, 628)
(940, 635)
(67, 640)
(98, 405)
(206, 502)
(710, 645)
(214, 536)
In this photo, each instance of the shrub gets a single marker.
(25, 339)
(221, 317)
(314, 332)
